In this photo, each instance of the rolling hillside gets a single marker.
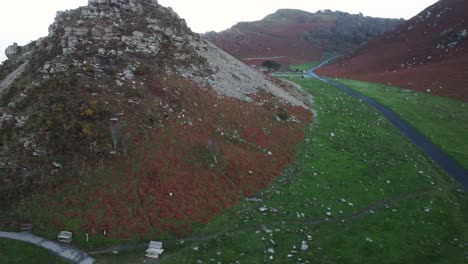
(426, 53)
(294, 36)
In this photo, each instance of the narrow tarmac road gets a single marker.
(69, 253)
(451, 166)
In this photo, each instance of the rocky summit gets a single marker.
(123, 119)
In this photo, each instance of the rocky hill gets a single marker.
(295, 36)
(122, 119)
(427, 53)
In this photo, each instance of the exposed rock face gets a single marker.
(116, 28)
(12, 51)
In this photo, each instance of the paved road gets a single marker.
(451, 166)
(69, 253)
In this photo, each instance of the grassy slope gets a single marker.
(443, 120)
(305, 66)
(365, 163)
(12, 252)
(132, 200)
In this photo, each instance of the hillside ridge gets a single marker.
(426, 53)
(299, 36)
(125, 120)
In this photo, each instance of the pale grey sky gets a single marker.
(22, 21)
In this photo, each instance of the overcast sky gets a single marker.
(22, 21)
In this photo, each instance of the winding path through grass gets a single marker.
(69, 253)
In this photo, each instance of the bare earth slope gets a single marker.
(295, 36)
(126, 121)
(427, 53)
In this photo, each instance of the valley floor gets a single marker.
(358, 192)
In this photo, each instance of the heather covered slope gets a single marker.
(295, 36)
(427, 53)
(124, 120)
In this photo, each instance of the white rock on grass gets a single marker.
(304, 246)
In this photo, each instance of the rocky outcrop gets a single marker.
(13, 51)
(114, 27)
(117, 28)
(116, 76)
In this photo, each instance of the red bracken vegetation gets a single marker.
(294, 36)
(169, 181)
(430, 51)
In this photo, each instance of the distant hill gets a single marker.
(427, 53)
(294, 36)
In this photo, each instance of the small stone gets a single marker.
(368, 239)
(304, 246)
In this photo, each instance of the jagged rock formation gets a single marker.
(12, 51)
(427, 53)
(113, 112)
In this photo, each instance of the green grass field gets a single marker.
(14, 252)
(358, 192)
(444, 121)
(305, 66)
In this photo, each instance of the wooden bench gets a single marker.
(26, 228)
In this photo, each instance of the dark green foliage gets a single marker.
(15, 252)
(7, 67)
(350, 30)
(142, 70)
(271, 65)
